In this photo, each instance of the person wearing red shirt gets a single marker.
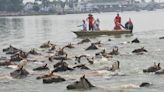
(91, 21)
(117, 22)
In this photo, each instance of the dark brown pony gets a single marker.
(153, 68)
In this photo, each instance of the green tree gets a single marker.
(11, 5)
(44, 2)
(36, 7)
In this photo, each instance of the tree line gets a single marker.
(17, 5)
(11, 5)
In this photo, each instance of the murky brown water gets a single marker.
(30, 31)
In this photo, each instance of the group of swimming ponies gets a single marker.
(20, 59)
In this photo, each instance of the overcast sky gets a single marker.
(136, 0)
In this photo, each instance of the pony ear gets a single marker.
(158, 64)
(52, 72)
(66, 55)
(21, 67)
(83, 76)
(48, 42)
(118, 64)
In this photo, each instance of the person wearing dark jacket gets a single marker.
(129, 25)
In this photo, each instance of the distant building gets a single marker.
(58, 8)
(107, 5)
(28, 6)
(49, 8)
(143, 5)
(68, 8)
(38, 7)
(80, 6)
(89, 6)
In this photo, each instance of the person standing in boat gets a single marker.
(129, 25)
(97, 25)
(117, 22)
(84, 26)
(90, 19)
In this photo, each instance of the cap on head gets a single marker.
(90, 15)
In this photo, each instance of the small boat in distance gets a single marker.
(101, 32)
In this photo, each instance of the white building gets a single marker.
(50, 7)
(88, 6)
(28, 6)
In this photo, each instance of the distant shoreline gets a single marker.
(8, 14)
